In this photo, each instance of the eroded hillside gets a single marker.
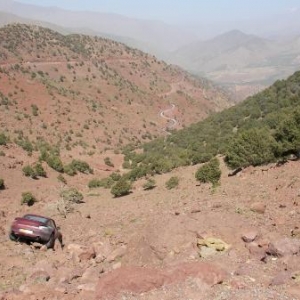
(91, 94)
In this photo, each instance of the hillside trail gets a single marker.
(167, 114)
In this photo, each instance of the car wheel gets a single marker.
(12, 236)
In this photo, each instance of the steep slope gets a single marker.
(262, 129)
(90, 93)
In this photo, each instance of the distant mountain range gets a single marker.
(235, 57)
(154, 35)
(244, 62)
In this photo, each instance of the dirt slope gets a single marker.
(158, 229)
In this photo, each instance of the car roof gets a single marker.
(37, 218)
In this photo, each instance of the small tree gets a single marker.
(121, 188)
(209, 172)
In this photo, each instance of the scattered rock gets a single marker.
(213, 243)
(249, 237)
(258, 207)
(281, 278)
(40, 276)
(256, 252)
(291, 263)
(284, 247)
(295, 232)
(81, 253)
(118, 253)
(88, 287)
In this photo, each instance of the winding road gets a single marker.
(172, 122)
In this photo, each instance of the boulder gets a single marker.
(284, 247)
(256, 252)
(249, 236)
(81, 253)
(258, 207)
(138, 280)
(118, 253)
(39, 276)
(281, 278)
(210, 246)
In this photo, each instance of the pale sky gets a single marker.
(173, 11)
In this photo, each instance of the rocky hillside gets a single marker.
(234, 240)
(91, 94)
(191, 242)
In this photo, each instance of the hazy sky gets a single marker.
(172, 11)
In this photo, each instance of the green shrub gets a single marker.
(70, 170)
(115, 176)
(172, 182)
(150, 184)
(2, 185)
(39, 170)
(3, 139)
(62, 179)
(121, 188)
(28, 198)
(35, 110)
(28, 171)
(251, 147)
(108, 162)
(209, 172)
(81, 166)
(106, 183)
(55, 163)
(94, 183)
(2, 153)
(72, 195)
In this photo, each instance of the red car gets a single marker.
(35, 228)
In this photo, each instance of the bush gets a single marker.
(106, 183)
(72, 195)
(55, 163)
(2, 185)
(70, 170)
(39, 170)
(28, 171)
(209, 172)
(3, 139)
(108, 162)
(150, 184)
(81, 166)
(28, 198)
(172, 182)
(94, 183)
(61, 179)
(34, 171)
(121, 188)
(251, 147)
(115, 176)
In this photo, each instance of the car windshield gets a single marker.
(36, 218)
